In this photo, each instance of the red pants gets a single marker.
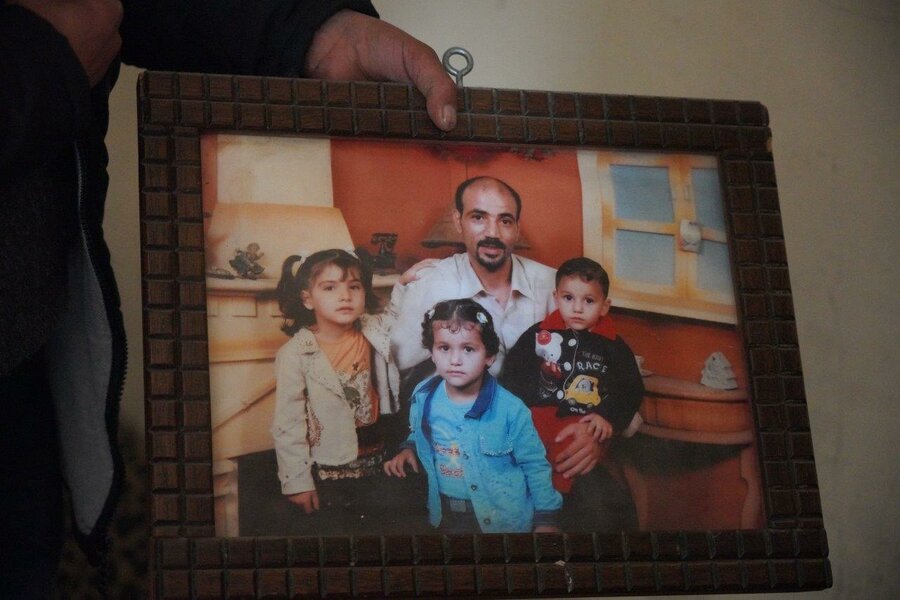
(548, 426)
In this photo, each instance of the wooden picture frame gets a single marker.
(785, 549)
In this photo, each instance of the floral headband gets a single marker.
(479, 316)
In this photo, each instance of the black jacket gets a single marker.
(579, 372)
(57, 289)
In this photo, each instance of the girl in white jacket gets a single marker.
(335, 381)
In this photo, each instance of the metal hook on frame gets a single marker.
(458, 73)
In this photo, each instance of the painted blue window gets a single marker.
(714, 268)
(645, 257)
(708, 198)
(642, 193)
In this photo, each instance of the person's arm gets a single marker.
(326, 39)
(520, 368)
(581, 455)
(626, 387)
(49, 62)
(396, 467)
(583, 452)
(412, 301)
(530, 455)
(289, 426)
(407, 454)
(263, 37)
(599, 428)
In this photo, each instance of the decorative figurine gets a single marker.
(245, 262)
(717, 373)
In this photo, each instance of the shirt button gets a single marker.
(474, 488)
(487, 521)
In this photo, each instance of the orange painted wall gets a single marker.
(678, 347)
(404, 188)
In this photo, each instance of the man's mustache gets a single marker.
(491, 243)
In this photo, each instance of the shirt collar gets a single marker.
(604, 327)
(485, 397)
(482, 402)
(470, 285)
(520, 281)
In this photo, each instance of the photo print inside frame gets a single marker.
(656, 222)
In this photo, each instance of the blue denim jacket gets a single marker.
(506, 467)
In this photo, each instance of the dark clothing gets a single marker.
(31, 508)
(372, 505)
(599, 502)
(56, 282)
(457, 517)
(562, 375)
(579, 372)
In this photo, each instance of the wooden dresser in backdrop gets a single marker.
(693, 464)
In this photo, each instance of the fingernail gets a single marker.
(448, 117)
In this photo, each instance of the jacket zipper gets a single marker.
(119, 360)
(98, 540)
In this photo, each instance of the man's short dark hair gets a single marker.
(585, 268)
(465, 184)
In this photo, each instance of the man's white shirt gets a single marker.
(530, 300)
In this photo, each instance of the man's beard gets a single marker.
(495, 264)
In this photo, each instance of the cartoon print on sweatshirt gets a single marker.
(548, 346)
(582, 392)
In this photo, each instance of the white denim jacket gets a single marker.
(310, 404)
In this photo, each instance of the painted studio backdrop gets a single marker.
(654, 221)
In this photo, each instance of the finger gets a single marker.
(567, 432)
(579, 468)
(387, 468)
(414, 464)
(589, 467)
(427, 73)
(315, 501)
(307, 508)
(576, 457)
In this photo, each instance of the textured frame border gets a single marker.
(188, 562)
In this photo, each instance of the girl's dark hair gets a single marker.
(290, 286)
(456, 314)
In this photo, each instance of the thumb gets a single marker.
(567, 432)
(427, 73)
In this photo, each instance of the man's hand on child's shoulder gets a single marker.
(396, 466)
(412, 273)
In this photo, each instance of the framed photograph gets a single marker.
(267, 439)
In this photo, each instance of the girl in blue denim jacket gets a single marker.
(486, 466)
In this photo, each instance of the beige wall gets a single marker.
(829, 72)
